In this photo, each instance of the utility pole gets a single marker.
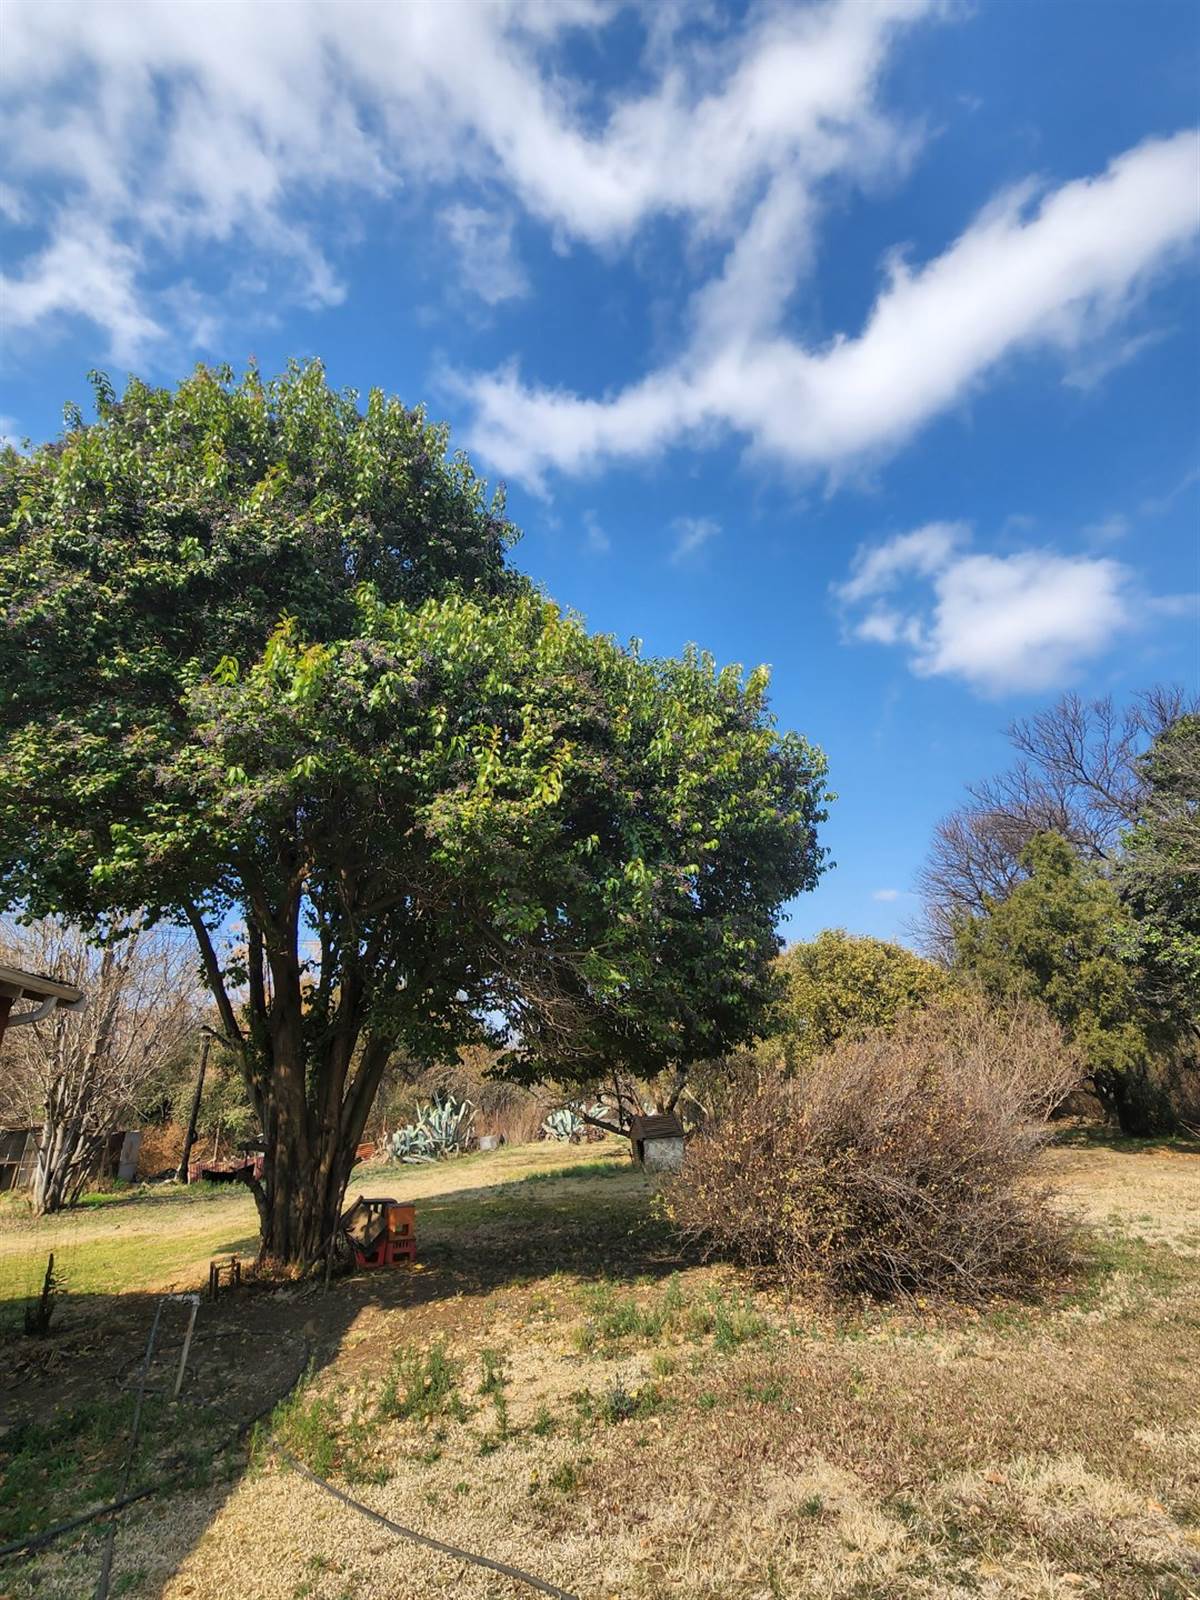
(190, 1137)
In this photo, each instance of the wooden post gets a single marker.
(6, 1001)
(194, 1300)
(190, 1137)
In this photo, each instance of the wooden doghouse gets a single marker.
(657, 1142)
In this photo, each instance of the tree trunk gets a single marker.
(311, 1099)
(302, 1192)
(309, 1154)
(189, 1137)
(1139, 1105)
(64, 1158)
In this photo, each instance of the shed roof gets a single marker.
(19, 985)
(665, 1125)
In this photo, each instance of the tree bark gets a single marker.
(307, 1165)
(65, 1157)
(189, 1137)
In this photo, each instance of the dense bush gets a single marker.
(841, 986)
(896, 1165)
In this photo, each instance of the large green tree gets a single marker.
(1059, 937)
(841, 986)
(1159, 873)
(266, 673)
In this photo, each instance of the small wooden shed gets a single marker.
(657, 1142)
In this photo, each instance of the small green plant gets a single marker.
(567, 1477)
(543, 1424)
(310, 1429)
(422, 1384)
(736, 1322)
(767, 1394)
(493, 1386)
(618, 1403)
(619, 1320)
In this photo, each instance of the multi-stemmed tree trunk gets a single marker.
(312, 1065)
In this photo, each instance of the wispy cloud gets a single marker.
(1108, 530)
(1158, 505)
(594, 536)
(484, 240)
(886, 894)
(1021, 276)
(172, 127)
(691, 536)
(1025, 620)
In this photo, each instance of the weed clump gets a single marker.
(897, 1165)
(422, 1384)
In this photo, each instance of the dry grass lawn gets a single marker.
(559, 1391)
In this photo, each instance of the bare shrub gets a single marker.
(896, 1165)
(80, 1075)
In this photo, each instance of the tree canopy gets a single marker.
(1159, 874)
(1058, 937)
(1078, 773)
(841, 986)
(268, 674)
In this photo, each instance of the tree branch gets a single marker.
(212, 972)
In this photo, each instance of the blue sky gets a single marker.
(860, 338)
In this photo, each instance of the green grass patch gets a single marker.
(44, 1465)
(422, 1384)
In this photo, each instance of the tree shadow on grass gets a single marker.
(1106, 1136)
(66, 1402)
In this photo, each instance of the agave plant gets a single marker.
(448, 1124)
(410, 1143)
(565, 1124)
(441, 1129)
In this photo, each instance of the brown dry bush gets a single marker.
(895, 1166)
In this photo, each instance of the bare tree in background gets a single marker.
(79, 1074)
(1077, 774)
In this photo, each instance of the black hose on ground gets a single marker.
(422, 1538)
(39, 1541)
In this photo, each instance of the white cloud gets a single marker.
(691, 536)
(1018, 278)
(487, 257)
(220, 122)
(595, 538)
(1002, 623)
(83, 270)
(1023, 621)
(878, 569)
(886, 894)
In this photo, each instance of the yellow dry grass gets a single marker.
(1045, 1453)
